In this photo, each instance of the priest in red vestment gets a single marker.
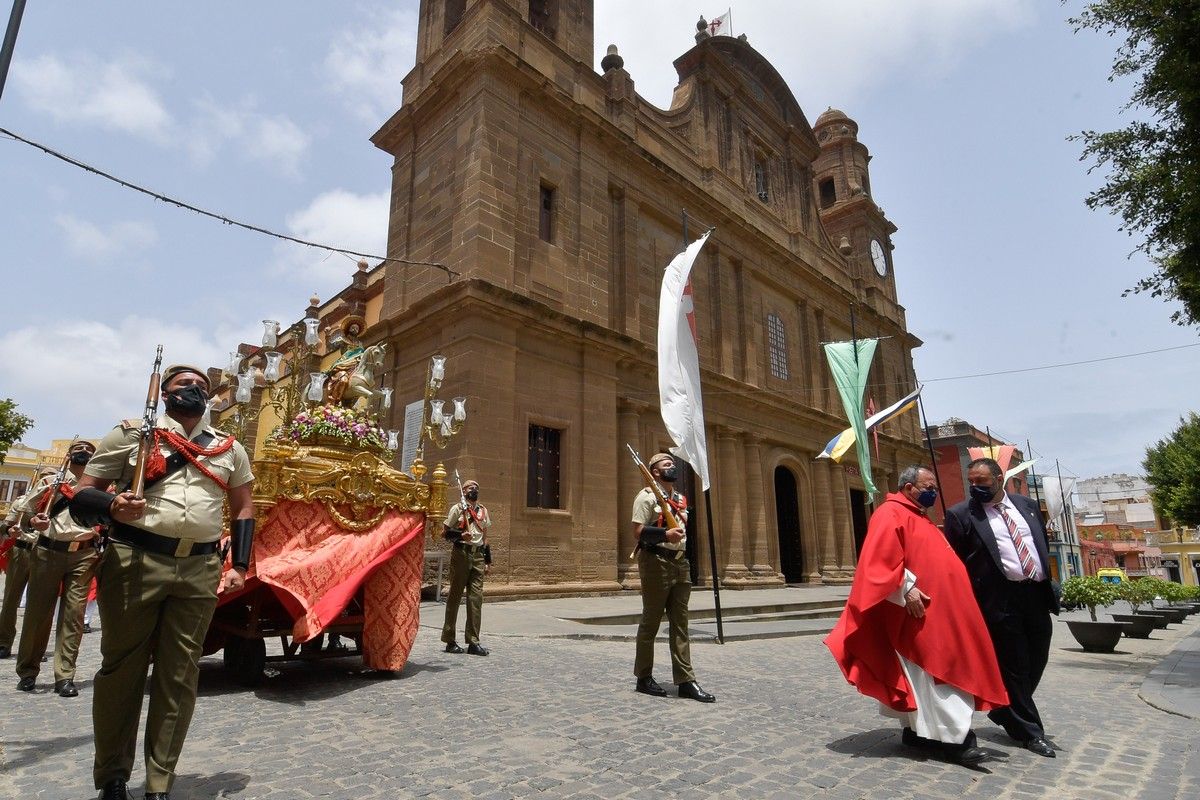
(911, 635)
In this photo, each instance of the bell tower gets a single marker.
(850, 215)
(449, 27)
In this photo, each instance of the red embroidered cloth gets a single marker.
(314, 568)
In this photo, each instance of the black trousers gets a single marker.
(1021, 636)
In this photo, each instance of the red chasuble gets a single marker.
(951, 642)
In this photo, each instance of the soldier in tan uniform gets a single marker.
(158, 577)
(666, 579)
(471, 560)
(16, 574)
(60, 565)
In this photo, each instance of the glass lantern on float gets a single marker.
(267, 370)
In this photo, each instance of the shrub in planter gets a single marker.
(1090, 591)
(1136, 593)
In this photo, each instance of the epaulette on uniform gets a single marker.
(134, 424)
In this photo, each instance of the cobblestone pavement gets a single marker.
(558, 718)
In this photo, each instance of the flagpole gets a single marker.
(712, 538)
(928, 441)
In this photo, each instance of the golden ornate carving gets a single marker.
(357, 487)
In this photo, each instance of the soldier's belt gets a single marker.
(665, 552)
(65, 547)
(162, 545)
(23, 545)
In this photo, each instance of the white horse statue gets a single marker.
(360, 384)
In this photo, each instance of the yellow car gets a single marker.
(1112, 575)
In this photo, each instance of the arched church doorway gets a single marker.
(787, 515)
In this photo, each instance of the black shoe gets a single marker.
(87, 627)
(26, 684)
(114, 790)
(66, 688)
(910, 738)
(692, 689)
(5, 651)
(1040, 746)
(648, 685)
(452, 647)
(336, 644)
(967, 756)
(158, 796)
(477, 649)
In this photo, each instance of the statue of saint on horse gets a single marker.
(353, 377)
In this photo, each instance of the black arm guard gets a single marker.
(652, 535)
(90, 507)
(451, 534)
(487, 554)
(243, 542)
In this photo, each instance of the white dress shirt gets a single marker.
(1009, 560)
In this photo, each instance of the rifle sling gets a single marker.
(175, 462)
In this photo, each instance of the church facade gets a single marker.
(558, 196)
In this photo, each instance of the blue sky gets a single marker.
(263, 110)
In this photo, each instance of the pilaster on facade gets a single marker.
(629, 482)
(842, 532)
(731, 491)
(761, 571)
(823, 501)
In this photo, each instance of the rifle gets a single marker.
(462, 501)
(47, 502)
(146, 433)
(659, 495)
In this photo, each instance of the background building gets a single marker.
(557, 196)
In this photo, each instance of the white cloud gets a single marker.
(112, 94)
(270, 138)
(829, 53)
(365, 65)
(339, 218)
(89, 242)
(83, 377)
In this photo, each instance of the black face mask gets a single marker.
(80, 457)
(472, 494)
(188, 400)
(983, 494)
(670, 475)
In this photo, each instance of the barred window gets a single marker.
(545, 460)
(777, 343)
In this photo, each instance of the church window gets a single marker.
(545, 463)
(542, 16)
(760, 181)
(4, 491)
(546, 213)
(777, 344)
(19, 488)
(828, 193)
(454, 14)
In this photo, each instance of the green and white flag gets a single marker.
(850, 375)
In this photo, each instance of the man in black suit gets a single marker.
(1002, 541)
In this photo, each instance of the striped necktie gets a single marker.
(1028, 565)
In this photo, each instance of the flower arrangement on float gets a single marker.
(346, 426)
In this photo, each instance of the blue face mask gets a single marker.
(983, 494)
(927, 498)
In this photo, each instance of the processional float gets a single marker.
(341, 532)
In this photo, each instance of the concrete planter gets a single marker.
(1096, 637)
(1160, 620)
(1136, 625)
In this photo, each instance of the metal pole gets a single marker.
(932, 456)
(712, 557)
(10, 41)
